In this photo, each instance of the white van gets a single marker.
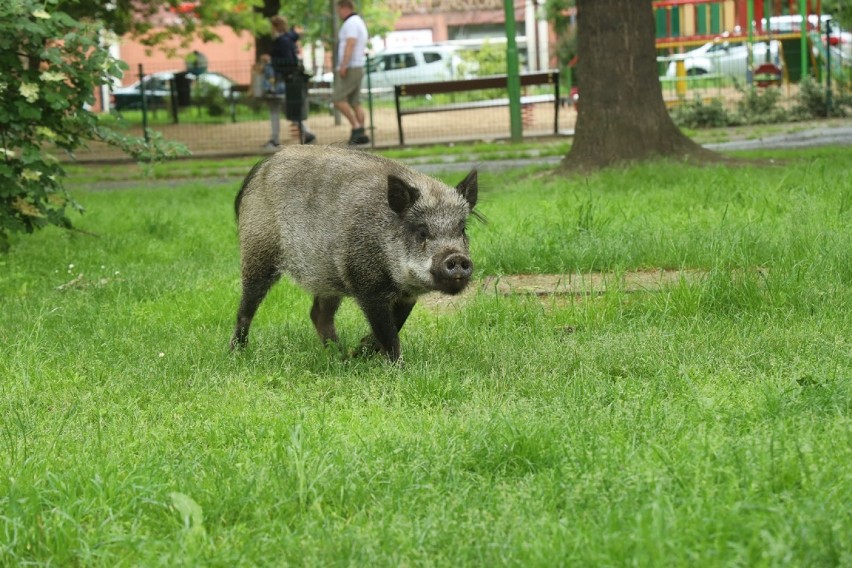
(415, 64)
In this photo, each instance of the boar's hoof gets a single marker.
(452, 272)
(369, 346)
(237, 343)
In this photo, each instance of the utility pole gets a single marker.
(512, 73)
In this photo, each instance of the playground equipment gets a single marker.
(717, 44)
(795, 24)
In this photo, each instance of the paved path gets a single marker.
(809, 138)
(825, 136)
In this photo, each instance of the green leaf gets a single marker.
(190, 511)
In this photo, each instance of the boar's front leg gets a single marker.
(322, 314)
(399, 312)
(401, 309)
(382, 319)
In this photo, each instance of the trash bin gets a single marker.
(183, 87)
(296, 97)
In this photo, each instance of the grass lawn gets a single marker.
(708, 423)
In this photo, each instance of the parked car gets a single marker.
(724, 56)
(415, 64)
(840, 39)
(158, 91)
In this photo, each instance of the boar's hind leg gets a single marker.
(322, 314)
(255, 287)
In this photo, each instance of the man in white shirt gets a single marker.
(351, 59)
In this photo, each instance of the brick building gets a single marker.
(471, 22)
(463, 22)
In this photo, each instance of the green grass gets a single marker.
(704, 424)
(671, 216)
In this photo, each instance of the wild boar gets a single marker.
(343, 222)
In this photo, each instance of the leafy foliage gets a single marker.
(759, 105)
(840, 11)
(698, 114)
(558, 12)
(212, 98)
(165, 24)
(154, 21)
(50, 66)
(812, 102)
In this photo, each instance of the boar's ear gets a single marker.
(469, 188)
(401, 195)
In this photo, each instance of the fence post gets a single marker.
(174, 99)
(828, 100)
(144, 97)
(557, 104)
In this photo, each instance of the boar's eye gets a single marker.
(462, 227)
(422, 233)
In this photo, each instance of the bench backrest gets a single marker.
(496, 82)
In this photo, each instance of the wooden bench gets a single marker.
(496, 82)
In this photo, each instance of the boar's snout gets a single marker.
(452, 271)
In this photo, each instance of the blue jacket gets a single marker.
(272, 85)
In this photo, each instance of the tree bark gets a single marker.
(621, 113)
(263, 43)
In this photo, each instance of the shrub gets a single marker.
(697, 114)
(212, 98)
(50, 67)
(759, 105)
(812, 102)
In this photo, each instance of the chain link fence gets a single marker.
(219, 113)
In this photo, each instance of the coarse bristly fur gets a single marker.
(344, 222)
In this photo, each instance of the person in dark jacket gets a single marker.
(284, 59)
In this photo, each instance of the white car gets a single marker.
(157, 89)
(416, 64)
(725, 57)
(839, 39)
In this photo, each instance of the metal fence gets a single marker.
(235, 121)
(232, 121)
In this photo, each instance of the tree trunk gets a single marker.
(263, 43)
(621, 113)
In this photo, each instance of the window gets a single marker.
(406, 60)
(155, 84)
(431, 57)
(394, 61)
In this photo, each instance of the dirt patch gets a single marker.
(575, 284)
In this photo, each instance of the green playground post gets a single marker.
(803, 10)
(513, 78)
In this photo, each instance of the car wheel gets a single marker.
(695, 72)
